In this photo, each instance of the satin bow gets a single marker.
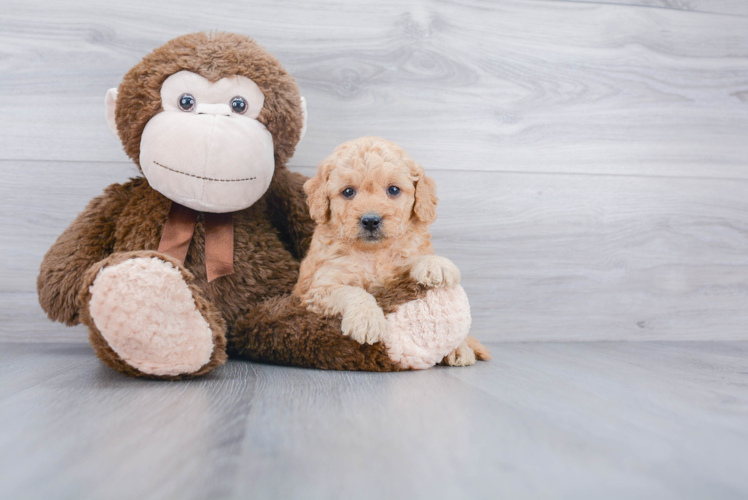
(219, 239)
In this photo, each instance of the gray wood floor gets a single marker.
(581, 420)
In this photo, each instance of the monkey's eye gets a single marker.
(186, 102)
(348, 192)
(393, 190)
(239, 105)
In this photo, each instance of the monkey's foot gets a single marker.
(423, 331)
(151, 318)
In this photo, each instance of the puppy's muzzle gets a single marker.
(371, 223)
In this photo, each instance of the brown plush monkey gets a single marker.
(173, 270)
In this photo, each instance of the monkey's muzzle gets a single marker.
(210, 160)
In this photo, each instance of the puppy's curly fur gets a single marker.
(373, 205)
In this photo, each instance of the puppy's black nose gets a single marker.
(370, 222)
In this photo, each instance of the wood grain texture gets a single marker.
(540, 86)
(542, 420)
(543, 256)
(38, 200)
(729, 7)
(584, 152)
(567, 257)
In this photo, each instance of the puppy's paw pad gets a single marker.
(462, 356)
(435, 271)
(365, 324)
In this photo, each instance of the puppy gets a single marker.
(373, 205)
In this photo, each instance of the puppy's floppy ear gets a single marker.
(316, 191)
(425, 204)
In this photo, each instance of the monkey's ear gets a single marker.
(425, 204)
(304, 114)
(316, 191)
(110, 102)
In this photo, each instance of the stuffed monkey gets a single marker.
(173, 271)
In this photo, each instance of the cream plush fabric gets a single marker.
(209, 159)
(146, 313)
(423, 331)
(207, 92)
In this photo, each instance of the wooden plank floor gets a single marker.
(542, 420)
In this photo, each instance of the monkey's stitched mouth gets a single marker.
(203, 178)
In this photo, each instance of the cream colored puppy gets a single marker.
(373, 205)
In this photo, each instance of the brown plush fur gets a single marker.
(213, 56)
(300, 338)
(398, 290)
(304, 339)
(252, 306)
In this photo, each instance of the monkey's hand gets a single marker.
(435, 271)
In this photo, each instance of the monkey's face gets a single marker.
(206, 150)
(208, 117)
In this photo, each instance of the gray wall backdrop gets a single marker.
(591, 157)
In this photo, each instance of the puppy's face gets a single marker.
(369, 192)
(370, 200)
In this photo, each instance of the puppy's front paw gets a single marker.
(435, 271)
(462, 356)
(364, 323)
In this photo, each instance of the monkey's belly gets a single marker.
(263, 268)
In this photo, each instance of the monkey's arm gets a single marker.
(362, 318)
(327, 287)
(289, 212)
(86, 241)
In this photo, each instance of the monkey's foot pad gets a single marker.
(425, 330)
(147, 314)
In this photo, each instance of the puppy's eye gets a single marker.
(186, 102)
(348, 192)
(239, 105)
(393, 190)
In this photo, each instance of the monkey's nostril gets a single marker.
(370, 222)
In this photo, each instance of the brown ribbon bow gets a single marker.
(219, 239)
